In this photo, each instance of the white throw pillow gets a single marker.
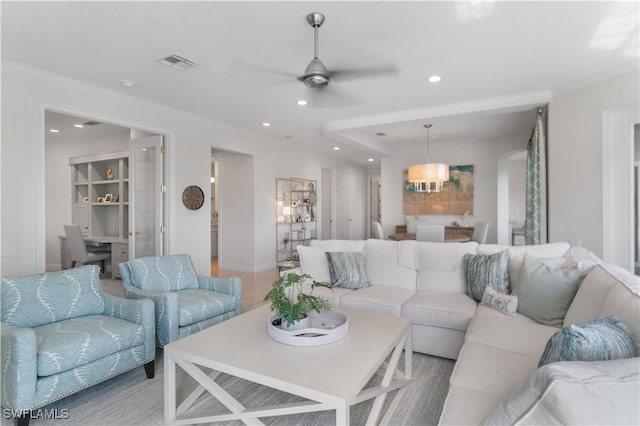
(500, 302)
(313, 261)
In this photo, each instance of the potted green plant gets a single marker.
(288, 301)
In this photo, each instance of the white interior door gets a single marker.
(146, 197)
(326, 199)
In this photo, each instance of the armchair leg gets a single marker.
(22, 420)
(150, 369)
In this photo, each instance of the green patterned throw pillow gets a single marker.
(482, 270)
(347, 270)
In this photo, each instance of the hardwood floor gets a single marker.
(254, 285)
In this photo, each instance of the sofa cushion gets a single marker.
(163, 273)
(68, 344)
(440, 265)
(482, 270)
(491, 369)
(598, 340)
(608, 290)
(545, 293)
(500, 302)
(441, 309)
(604, 392)
(382, 299)
(34, 300)
(333, 294)
(384, 266)
(466, 406)
(347, 270)
(199, 305)
(512, 334)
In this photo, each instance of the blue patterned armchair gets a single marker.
(186, 302)
(61, 334)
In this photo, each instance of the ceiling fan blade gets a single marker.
(253, 76)
(363, 72)
(329, 97)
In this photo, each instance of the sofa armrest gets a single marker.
(166, 311)
(138, 311)
(18, 366)
(231, 286)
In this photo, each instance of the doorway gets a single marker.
(511, 196)
(375, 194)
(71, 135)
(215, 206)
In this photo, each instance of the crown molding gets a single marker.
(508, 103)
(38, 73)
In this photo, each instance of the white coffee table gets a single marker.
(331, 377)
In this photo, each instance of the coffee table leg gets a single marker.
(169, 387)
(403, 346)
(343, 415)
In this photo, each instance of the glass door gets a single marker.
(146, 197)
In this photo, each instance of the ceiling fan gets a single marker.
(317, 76)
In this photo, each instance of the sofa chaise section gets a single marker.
(501, 353)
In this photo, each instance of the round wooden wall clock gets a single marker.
(193, 197)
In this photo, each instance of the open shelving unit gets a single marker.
(296, 213)
(100, 194)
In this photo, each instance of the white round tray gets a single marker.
(322, 328)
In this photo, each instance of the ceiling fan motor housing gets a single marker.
(316, 74)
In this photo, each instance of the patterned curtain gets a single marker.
(536, 189)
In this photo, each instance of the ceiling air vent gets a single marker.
(90, 123)
(178, 62)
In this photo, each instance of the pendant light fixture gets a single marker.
(429, 177)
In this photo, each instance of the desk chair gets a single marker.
(480, 232)
(78, 249)
(377, 231)
(434, 233)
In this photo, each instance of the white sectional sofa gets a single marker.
(497, 354)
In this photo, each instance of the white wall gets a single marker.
(483, 155)
(26, 92)
(575, 167)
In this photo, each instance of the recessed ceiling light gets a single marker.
(54, 130)
(127, 83)
(266, 124)
(336, 148)
(371, 160)
(302, 102)
(434, 79)
(79, 126)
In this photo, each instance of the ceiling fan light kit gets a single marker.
(428, 177)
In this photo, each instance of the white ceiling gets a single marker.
(498, 61)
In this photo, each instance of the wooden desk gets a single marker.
(119, 248)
